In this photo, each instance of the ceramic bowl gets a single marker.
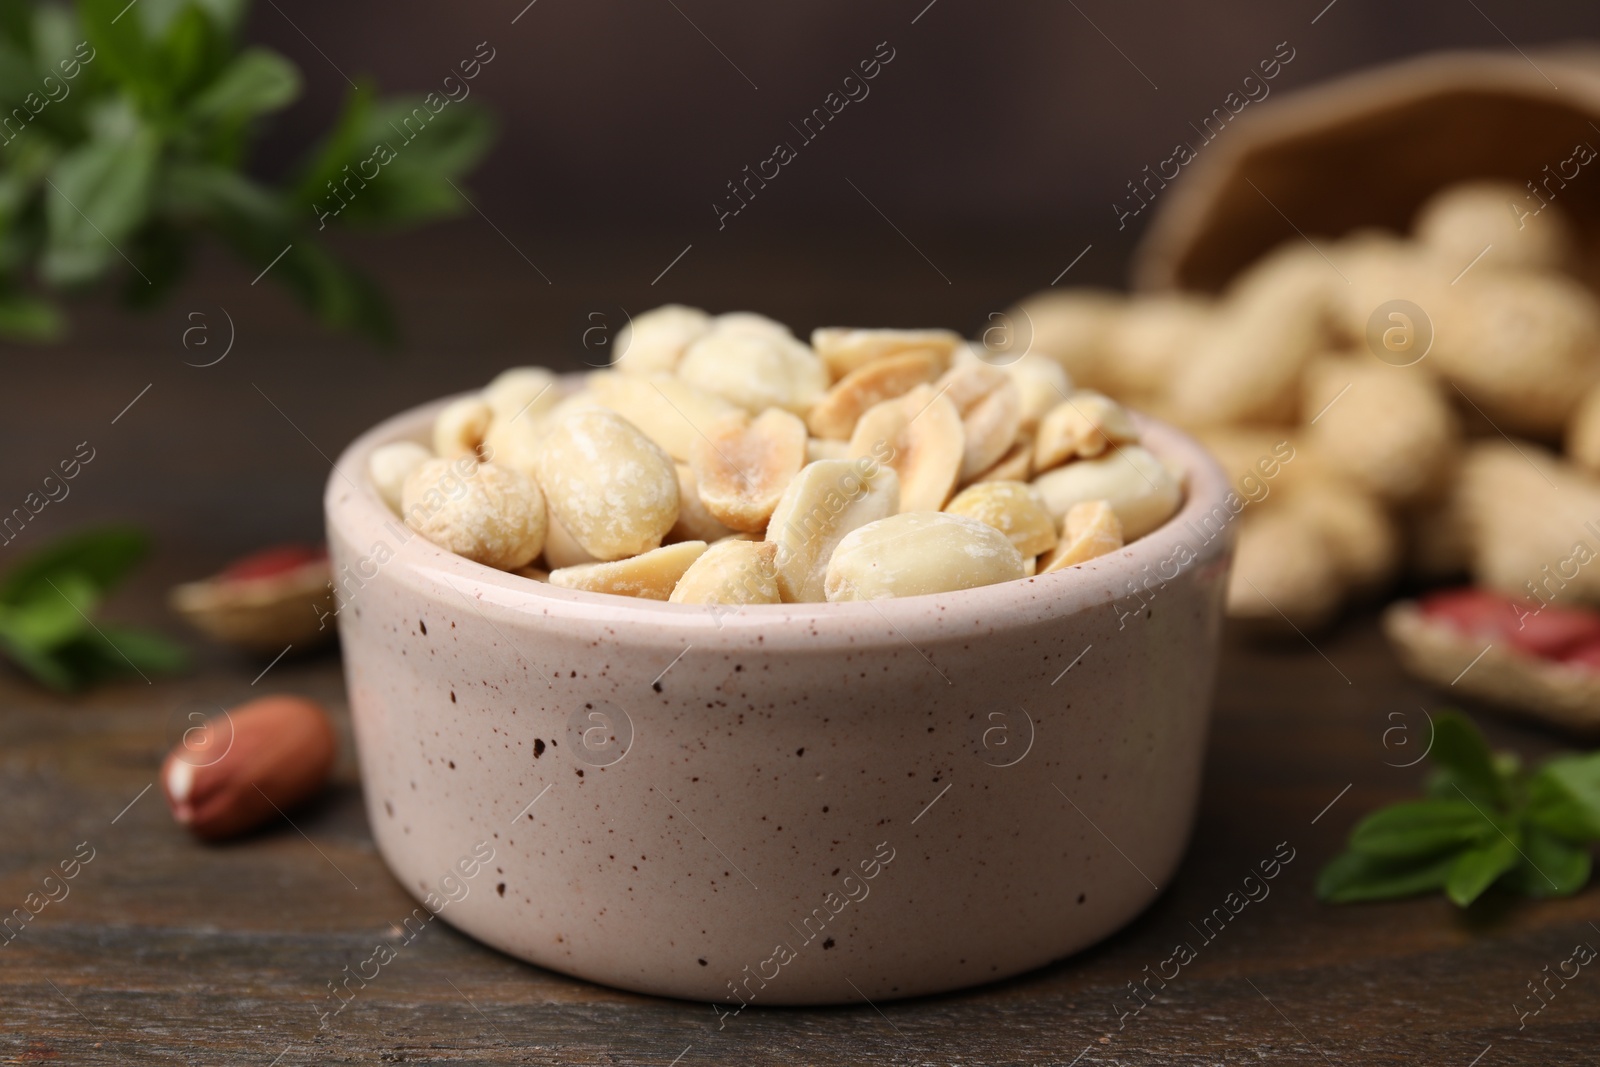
(781, 804)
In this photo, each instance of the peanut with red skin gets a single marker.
(242, 768)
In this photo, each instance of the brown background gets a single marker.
(991, 149)
(1019, 116)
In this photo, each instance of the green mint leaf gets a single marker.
(159, 15)
(17, 78)
(1464, 759)
(90, 659)
(55, 34)
(189, 53)
(1420, 828)
(15, 16)
(1550, 867)
(100, 194)
(344, 144)
(28, 318)
(224, 197)
(104, 556)
(257, 82)
(227, 14)
(147, 650)
(1555, 813)
(393, 162)
(139, 150)
(57, 612)
(158, 52)
(120, 46)
(1476, 869)
(452, 141)
(45, 667)
(1564, 797)
(1354, 877)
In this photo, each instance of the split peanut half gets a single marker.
(742, 465)
(920, 435)
(650, 575)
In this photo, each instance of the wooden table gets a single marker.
(169, 951)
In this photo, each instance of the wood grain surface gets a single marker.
(168, 951)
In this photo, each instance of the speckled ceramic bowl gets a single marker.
(788, 804)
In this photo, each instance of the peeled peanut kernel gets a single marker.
(517, 442)
(835, 416)
(537, 574)
(823, 448)
(1015, 466)
(246, 766)
(1092, 530)
(655, 341)
(561, 549)
(664, 409)
(755, 370)
(1041, 383)
(990, 428)
(461, 426)
(844, 349)
(1083, 425)
(920, 435)
(390, 465)
(487, 513)
(918, 552)
(513, 444)
(742, 465)
(521, 393)
(1089, 517)
(751, 322)
(1012, 508)
(990, 406)
(613, 488)
(694, 523)
(823, 503)
(649, 575)
(1139, 488)
(731, 572)
(583, 400)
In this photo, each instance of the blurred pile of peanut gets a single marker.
(1426, 403)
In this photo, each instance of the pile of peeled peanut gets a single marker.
(1366, 436)
(722, 460)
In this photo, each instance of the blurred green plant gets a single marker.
(1485, 822)
(46, 605)
(125, 129)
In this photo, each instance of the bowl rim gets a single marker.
(353, 508)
